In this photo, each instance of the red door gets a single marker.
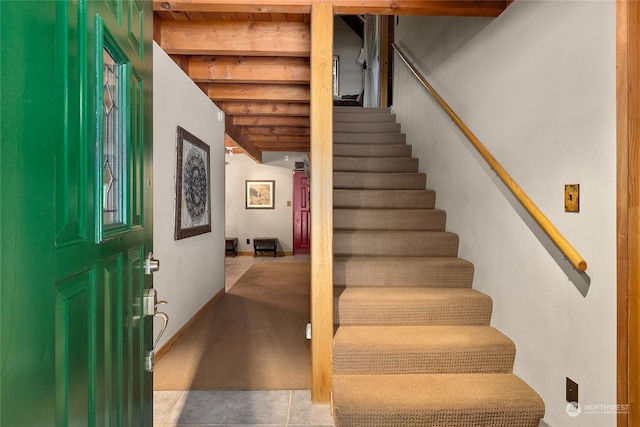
(301, 214)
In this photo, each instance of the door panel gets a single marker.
(73, 348)
(73, 338)
(301, 214)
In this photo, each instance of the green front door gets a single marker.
(75, 212)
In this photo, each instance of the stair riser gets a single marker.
(360, 164)
(366, 127)
(374, 199)
(371, 150)
(412, 315)
(402, 244)
(364, 118)
(398, 275)
(378, 181)
(472, 361)
(383, 274)
(421, 350)
(363, 111)
(369, 138)
(354, 219)
(470, 311)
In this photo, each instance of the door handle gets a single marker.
(150, 308)
(151, 265)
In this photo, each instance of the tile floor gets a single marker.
(265, 408)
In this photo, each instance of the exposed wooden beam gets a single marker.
(240, 140)
(271, 121)
(233, 38)
(628, 210)
(343, 7)
(240, 69)
(265, 108)
(285, 139)
(275, 146)
(258, 92)
(275, 131)
(321, 187)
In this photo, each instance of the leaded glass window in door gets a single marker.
(113, 143)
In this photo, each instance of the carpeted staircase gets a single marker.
(413, 345)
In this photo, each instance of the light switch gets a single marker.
(572, 198)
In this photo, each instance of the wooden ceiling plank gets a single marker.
(345, 7)
(179, 16)
(295, 17)
(271, 121)
(278, 17)
(265, 108)
(196, 16)
(249, 69)
(258, 92)
(232, 38)
(245, 16)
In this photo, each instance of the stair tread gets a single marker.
(410, 296)
(382, 338)
(435, 400)
(404, 295)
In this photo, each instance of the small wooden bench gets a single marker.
(265, 244)
(231, 244)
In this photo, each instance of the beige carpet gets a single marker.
(253, 339)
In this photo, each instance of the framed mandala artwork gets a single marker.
(193, 191)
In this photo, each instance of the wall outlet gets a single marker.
(248, 241)
(572, 391)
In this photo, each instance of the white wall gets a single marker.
(249, 223)
(537, 87)
(347, 45)
(191, 269)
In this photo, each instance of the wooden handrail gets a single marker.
(558, 239)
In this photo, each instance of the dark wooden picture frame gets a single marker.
(259, 194)
(193, 186)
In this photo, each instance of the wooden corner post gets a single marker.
(321, 200)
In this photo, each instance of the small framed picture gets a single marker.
(193, 191)
(259, 194)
